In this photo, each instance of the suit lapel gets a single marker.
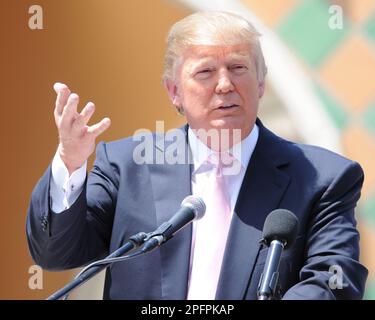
(261, 192)
(170, 185)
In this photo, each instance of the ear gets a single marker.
(261, 87)
(173, 92)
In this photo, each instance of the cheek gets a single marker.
(249, 91)
(196, 94)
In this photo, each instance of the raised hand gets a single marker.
(77, 139)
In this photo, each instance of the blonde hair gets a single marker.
(212, 27)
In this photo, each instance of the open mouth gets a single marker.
(228, 106)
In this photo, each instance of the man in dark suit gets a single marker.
(214, 75)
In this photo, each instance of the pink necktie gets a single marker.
(211, 234)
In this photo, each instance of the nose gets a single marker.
(224, 83)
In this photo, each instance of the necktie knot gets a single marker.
(222, 162)
(220, 159)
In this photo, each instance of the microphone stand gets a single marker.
(133, 242)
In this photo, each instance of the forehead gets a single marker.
(201, 53)
(205, 52)
(196, 55)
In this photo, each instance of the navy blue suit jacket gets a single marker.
(121, 198)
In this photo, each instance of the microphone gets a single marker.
(279, 232)
(192, 208)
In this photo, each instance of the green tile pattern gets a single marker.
(370, 290)
(307, 32)
(370, 28)
(368, 118)
(367, 211)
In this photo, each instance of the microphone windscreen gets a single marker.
(195, 203)
(282, 225)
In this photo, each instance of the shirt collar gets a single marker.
(241, 151)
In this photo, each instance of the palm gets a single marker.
(77, 139)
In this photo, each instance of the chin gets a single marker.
(229, 124)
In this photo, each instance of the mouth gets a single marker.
(228, 106)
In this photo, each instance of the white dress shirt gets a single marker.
(242, 152)
(65, 189)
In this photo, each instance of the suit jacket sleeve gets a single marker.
(331, 269)
(80, 234)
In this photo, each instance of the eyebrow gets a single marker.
(207, 58)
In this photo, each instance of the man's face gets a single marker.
(217, 87)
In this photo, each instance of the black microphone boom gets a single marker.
(279, 232)
(192, 208)
(134, 242)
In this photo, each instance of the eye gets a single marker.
(239, 68)
(203, 73)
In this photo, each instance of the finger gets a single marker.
(87, 112)
(69, 113)
(63, 93)
(98, 128)
(57, 86)
(84, 117)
